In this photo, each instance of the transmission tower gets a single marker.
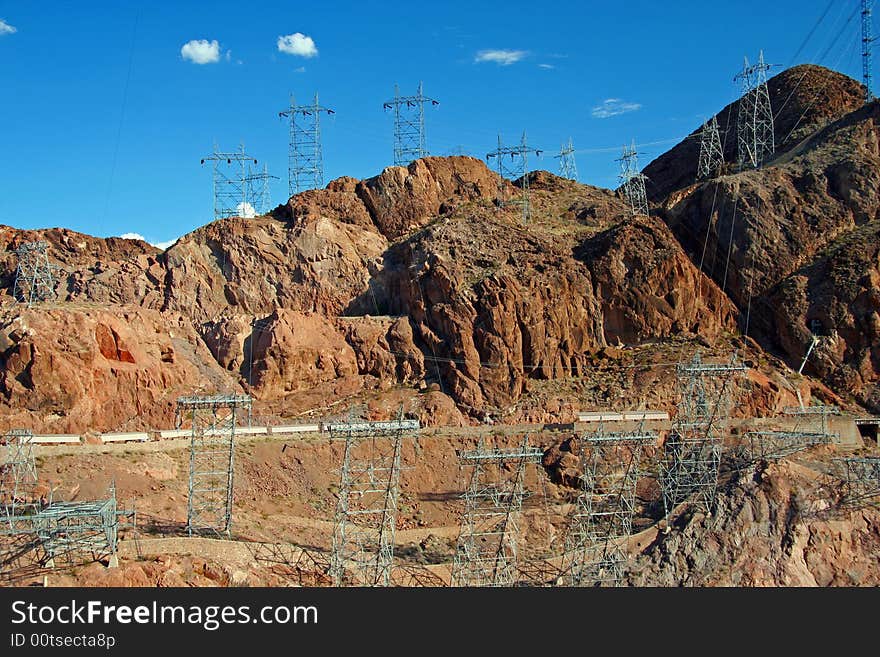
(754, 118)
(711, 153)
(567, 164)
(34, 281)
(632, 181)
(211, 460)
(366, 510)
(604, 508)
(867, 40)
(486, 553)
(305, 157)
(257, 189)
(692, 451)
(230, 182)
(19, 500)
(409, 125)
(515, 166)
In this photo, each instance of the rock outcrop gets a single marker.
(78, 369)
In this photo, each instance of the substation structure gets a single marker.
(775, 445)
(598, 528)
(859, 479)
(486, 552)
(64, 531)
(692, 451)
(809, 415)
(68, 531)
(366, 510)
(211, 460)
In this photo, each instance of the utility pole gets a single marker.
(711, 153)
(409, 125)
(755, 139)
(567, 164)
(516, 166)
(305, 156)
(632, 181)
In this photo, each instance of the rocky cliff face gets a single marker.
(767, 237)
(767, 531)
(382, 283)
(804, 99)
(74, 368)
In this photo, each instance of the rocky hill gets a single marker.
(794, 245)
(421, 282)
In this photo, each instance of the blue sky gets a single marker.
(104, 121)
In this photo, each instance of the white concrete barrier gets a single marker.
(646, 415)
(56, 439)
(600, 416)
(251, 431)
(296, 428)
(124, 437)
(175, 433)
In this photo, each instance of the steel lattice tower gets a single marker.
(34, 281)
(230, 187)
(692, 451)
(711, 152)
(867, 56)
(366, 510)
(211, 460)
(19, 500)
(754, 118)
(516, 167)
(632, 181)
(567, 164)
(409, 125)
(257, 189)
(305, 156)
(604, 509)
(486, 553)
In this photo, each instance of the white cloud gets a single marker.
(201, 51)
(245, 210)
(613, 107)
(297, 44)
(301, 69)
(138, 236)
(6, 28)
(547, 66)
(500, 57)
(164, 245)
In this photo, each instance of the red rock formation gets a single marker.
(75, 369)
